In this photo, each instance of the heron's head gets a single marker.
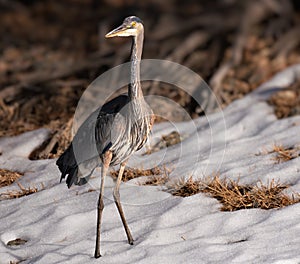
(131, 26)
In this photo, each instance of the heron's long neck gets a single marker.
(135, 90)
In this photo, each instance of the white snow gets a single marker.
(60, 224)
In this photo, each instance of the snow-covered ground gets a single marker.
(60, 224)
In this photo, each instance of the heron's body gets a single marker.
(113, 132)
(115, 127)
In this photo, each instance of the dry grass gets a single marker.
(168, 140)
(57, 143)
(160, 179)
(156, 180)
(286, 103)
(282, 153)
(235, 196)
(183, 187)
(7, 177)
(19, 193)
(130, 173)
(232, 195)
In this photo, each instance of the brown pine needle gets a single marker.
(235, 196)
(131, 173)
(22, 192)
(166, 141)
(7, 177)
(284, 154)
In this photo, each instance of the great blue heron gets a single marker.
(120, 128)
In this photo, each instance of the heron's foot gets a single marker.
(97, 255)
(130, 241)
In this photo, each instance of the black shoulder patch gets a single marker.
(107, 148)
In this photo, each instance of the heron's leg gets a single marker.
(106, 161)
(118, 203)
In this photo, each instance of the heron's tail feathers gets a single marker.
(68, 166)
(78, 173)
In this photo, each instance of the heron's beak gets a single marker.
(119, 31)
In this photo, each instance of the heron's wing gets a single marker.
(115, 105)
(94, 135)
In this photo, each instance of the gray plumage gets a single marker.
(121, 125)
(113, 132)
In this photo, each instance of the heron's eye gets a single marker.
(133, 24)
